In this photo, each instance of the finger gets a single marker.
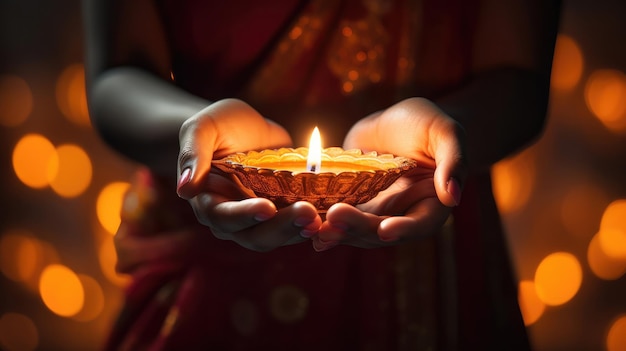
(224, 127)
(423, 219)
(213, 205)
(349, 225)
(196, 136)
(285, 227)
(235, 216)
(451, 162)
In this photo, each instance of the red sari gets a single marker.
(326, 63)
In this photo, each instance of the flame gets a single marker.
(314, 160)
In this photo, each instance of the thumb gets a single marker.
(451, 165)
(194, 158)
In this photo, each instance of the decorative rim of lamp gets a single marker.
(285, 187)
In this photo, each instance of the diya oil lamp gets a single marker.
(321, 176)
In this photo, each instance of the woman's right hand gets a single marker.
(230, 211)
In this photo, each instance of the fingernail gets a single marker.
(307, 234)
(454, 189)
(185, 177)
(320, 246)
(389, 238)
(262, 217)
(302, 221)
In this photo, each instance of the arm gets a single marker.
(497, 113)
(503, 108)
(133, 106)
(500, 110)
(140, 113)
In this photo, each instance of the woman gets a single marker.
(456, 85)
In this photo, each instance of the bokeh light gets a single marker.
(18, 333)
(18, 255)
(35, 160)
(16, 100)
(612, 234)
(603, 266)
(61, 290)
(605, 95)
(23, 257)
(347, 87)
(530, 304)
(568, 63)
(74, 171)
(616, 337)
(94, 299)
(71, 96)
(614, 216)
(513, 181)
(607, 249)
(558, 278)
(109, 205)
(613, 243)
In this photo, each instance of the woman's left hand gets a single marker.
(420, 201)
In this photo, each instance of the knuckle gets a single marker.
(186, 155)
(188, 126)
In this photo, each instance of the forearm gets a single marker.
(140, 115)
(502, 111)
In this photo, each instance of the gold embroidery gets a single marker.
(298, 41)
(357, 55)
(358, 52)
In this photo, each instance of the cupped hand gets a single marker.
(219, 202)
(420, 201)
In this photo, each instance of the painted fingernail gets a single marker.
(185, 177)
(454, 189)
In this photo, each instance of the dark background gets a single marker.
(552, 196)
